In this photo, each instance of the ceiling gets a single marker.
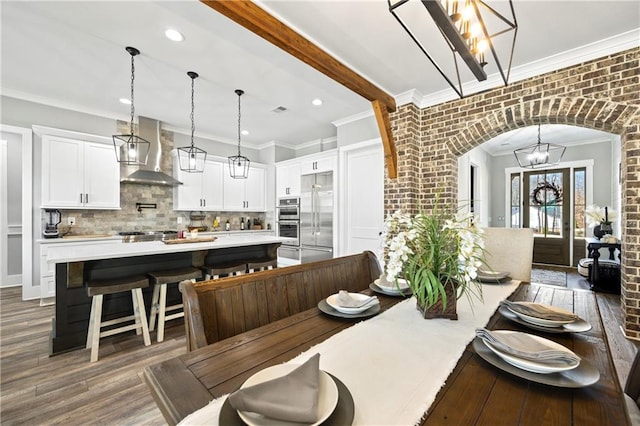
(72, 55)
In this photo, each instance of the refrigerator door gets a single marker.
(324, 209)
(312, 254)
(307, 216)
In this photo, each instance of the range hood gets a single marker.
(150, 174)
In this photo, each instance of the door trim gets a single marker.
(571, 165)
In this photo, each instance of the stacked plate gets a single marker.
(350, 305)
(543, 317)
(390, 288)
(493, 277)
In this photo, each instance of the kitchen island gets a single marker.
(76, 264)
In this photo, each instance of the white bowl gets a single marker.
(390, 286)
(333, 302)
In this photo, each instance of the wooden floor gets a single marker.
(36, 389)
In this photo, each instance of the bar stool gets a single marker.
(213, 272)
(96, 289)
(262, 265)
(159, 307)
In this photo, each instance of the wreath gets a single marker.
(539, 194)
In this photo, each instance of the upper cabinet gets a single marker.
(199, 191)
(317, 163)
(79, 174)
(245, 194)
(288, 180)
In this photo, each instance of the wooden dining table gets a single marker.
(475, 393)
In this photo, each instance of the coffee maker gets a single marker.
(51, 228)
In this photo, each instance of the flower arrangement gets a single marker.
(433, 251)
(596, 215)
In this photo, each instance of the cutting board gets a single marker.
(190, 240)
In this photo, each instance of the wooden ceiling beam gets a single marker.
(260, 22)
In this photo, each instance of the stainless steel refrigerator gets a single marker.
(316, 216)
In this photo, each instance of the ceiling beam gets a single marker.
(384, 126)
(260, 22)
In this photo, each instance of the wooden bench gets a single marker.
(218, 309)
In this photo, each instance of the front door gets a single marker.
(548, 194)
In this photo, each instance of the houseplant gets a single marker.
(438, 253)
(600, 219)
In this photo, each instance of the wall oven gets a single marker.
(288, 225)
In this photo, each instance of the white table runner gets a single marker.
(395, 363)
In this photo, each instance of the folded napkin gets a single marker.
(538, 310)
(527, 347)
(345, 300)
(293, 397)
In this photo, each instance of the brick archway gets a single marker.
(600, 94)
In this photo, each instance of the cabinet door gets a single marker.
(288, 180)
(187, 196)
(255, 190)
(212, 193)
(62, 172)
(317, 165)
(233, 191)
(101, 177)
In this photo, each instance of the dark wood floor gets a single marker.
(36, 389)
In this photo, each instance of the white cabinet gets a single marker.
(199, 191)
(288, 180)
(245, 194)
(79, 174)
(318, 163)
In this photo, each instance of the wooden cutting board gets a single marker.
(190, 240)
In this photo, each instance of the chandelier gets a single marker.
(131, 149)
(464, 26)
(192, 158)
(539, 155)
(239, 164)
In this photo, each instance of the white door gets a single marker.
(363, 207)
(10, 210)
(101, 176)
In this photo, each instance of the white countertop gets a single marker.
(108, 250)
(104, 237)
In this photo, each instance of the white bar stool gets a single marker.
(96, 289)
(262, 265)
(159, 307)
(213, 272)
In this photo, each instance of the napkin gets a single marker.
(538, 310)
(525, 346)
(346, 301)
(293, 397)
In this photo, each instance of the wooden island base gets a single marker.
(73, 306)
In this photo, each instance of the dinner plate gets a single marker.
(583, 375)
(402, 286)
(343, 414)
(327, 396)
(324, 307)
(577, 326)
(541, 321)
(382, 290)
(359, 297)
(532, 366)
(492, 276)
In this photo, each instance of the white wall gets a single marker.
(481, 160)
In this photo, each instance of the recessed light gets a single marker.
(125, 101)
(317, 102)
(245, 132)
(174, 35)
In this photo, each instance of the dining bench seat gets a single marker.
(218, 309)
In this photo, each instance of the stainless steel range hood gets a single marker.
(150, 174)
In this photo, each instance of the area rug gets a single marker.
(545, 276)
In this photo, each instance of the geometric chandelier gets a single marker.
(539, 155)
(192, 158)
(464, 26)
(131, 149)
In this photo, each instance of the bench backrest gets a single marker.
(218, 309)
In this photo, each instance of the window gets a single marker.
(579, 202)
(515, 200)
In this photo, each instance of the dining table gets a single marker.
(475, 392)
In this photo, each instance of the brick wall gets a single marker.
(602, 94)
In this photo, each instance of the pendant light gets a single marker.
(192, 158)
(539, 154)
(131, 149)
(239, 164)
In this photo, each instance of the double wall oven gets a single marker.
(288, 224)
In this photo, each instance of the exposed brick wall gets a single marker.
(602, 94)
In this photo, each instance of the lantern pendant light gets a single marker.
(191, 158)
(131, 149)
(239, 164)
(539, 155)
